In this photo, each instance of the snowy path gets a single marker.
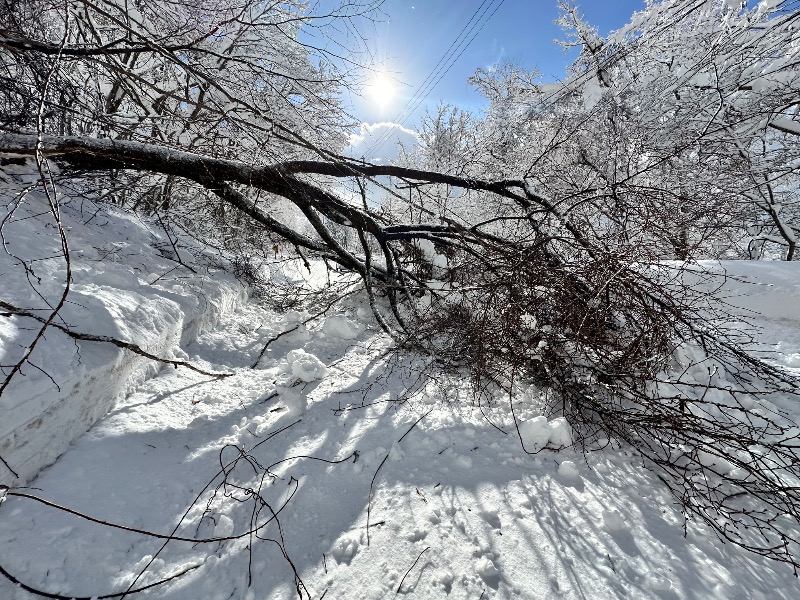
(458, 510)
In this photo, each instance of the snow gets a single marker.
(560, 433)
(538, 432)
(568, 470)
(369, 492)
(535, 433)
(613, 521)
(786, 124)
(306, 367)
(428, 250)
(767, 5)
(114, 262)
(339, 326)
(224, 526)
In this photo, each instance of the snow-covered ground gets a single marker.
(353, 493)
(126, 284)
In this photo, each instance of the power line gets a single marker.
(443, 66)
(440, 69)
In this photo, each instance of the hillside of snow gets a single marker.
(126, 284)
(329, 470)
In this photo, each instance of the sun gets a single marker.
(381, 90)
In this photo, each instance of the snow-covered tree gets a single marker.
(228, 76)
(696, 102)
(678, 132)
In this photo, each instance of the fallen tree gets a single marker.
(615, 339)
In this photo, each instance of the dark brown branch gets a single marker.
(13, 472)
(29, 45)
(45, 594)
(369, 497)
(279, 179)
(399, 587)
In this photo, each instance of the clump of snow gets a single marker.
(539, 432)
(224, 527)
(428, 250)
(295, 402)
(306, 367)
(535, 433)
(613, 521)
(426, 247)
(486, 568)
(560, 433)
(345, 550)
(396, 453)
(339, 326)
(659, 583)
(568, 470)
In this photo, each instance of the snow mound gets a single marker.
(296, 403)
(613, 521)
(535, 433)
(539, 433)
(306, 367)
(568, 470)
(560, 433)
(125, 285)
(346, 549)
(486, 568)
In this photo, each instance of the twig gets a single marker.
(13, 472)
(44, 594)
(411, 569)
(152, 534)
(611, 562)
(178, 258)
(369, 499)
(414, 425)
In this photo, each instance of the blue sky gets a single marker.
(412, 36)
(416, 33)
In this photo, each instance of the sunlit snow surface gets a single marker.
(493, 521)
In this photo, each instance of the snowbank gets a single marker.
(124, 286)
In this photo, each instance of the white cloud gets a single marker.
(377, 142)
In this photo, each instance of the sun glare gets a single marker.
(381, 90)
